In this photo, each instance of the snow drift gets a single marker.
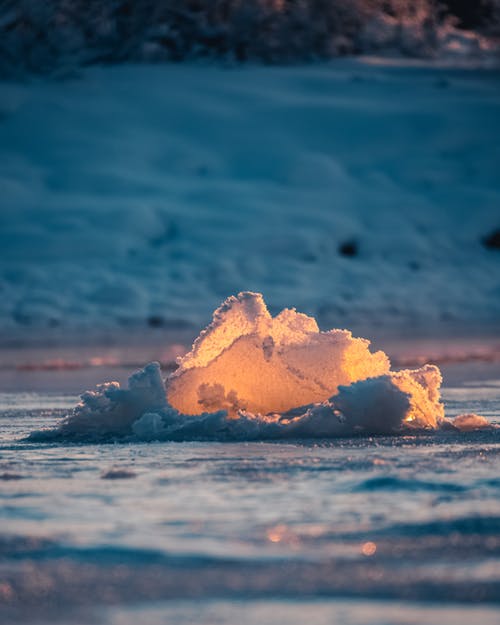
(289, 171)
(251, 376)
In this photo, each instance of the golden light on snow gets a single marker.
(248, 360)
(369, 548)
(470, 422)
(281, 533)
(6, 591)
(276, 534)
(422, 387)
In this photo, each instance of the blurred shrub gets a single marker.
(43, 35)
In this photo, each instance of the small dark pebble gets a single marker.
(118, 474)
(156, 321)
(492, 241)
(349, 248)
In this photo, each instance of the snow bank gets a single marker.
(345, 189)
(251, 376)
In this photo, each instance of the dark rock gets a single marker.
(492, 241)
(118, 474)
(156, 321)
(349, 248)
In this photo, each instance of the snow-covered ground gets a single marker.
(144, 195)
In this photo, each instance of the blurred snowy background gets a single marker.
(49, 35)
(364, 190)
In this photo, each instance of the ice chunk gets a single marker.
(248, 360)
(382, 405)
(372, 406)
(149, 427)
(422, 387)
(111, 411)
(251, 376)
(470, 422)
(387, 404)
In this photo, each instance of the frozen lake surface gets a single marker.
(365, 530)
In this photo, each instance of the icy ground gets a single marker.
(407, 528)
(145, 195)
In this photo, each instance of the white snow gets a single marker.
(132, 193)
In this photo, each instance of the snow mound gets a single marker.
(372, 406)
(384, 404)
(110, 410)
(250, 376)
(248, 360)
(470, 422)
(283, 183)
(422, 388)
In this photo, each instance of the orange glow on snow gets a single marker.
(369, 548)
(282, 534)
(248, 360)
(422, 386)
(276, 534)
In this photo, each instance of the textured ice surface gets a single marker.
(251, 376)
(411, 522)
